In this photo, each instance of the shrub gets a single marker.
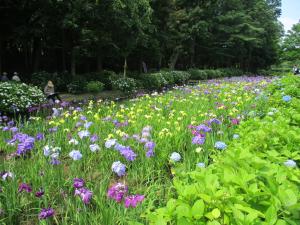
(197, 74)
(94, 86)
(77, 85)
(17, 97)
(169, 77)
(104, 77)
(153, 81)
(126, 85)
(232, 72)
(180, 77)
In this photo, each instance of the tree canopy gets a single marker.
(88, 35)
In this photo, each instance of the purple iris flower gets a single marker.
(25, 146)
(11, 123)
(88, 124)
(40, 136)
(54, 161)
(128, 153)
(94, 138)
(203, 128)
(133, 200)
(24, 187)
(214, 120)
(39, 193)
(150, 153)
(150, 145)
(5, 129)
(78, 183)
(46, 213)
(198, 140)
(119, 168)
(117, 191)
(85, 194)
(53, 129)
(14, 129)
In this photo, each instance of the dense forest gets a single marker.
(81, 36)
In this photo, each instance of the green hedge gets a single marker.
(156, 81)
(203, 74)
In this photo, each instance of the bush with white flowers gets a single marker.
(125, 84)
(17, 97)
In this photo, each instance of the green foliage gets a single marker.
(77, 85)
(125, 84)
(154, 81)
(180, 77)
(291, 45)
(104, 77)
(249, 183)
(17, 97)
(60, 80)
(197, 74)
(94, 86)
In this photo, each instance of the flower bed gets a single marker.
(114, 163)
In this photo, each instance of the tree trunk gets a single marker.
(99, 63)
(125, 67)
(63, 53)
(37, 46)
(73, 62)
(173, 59)
(0, 55)
(159, 62)
(193, 51)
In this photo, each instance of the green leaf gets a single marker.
(281, 222)
(216, 213)
(287, 196)
(198, 209)
(184, 210)
(213, 223)
(171, 205)
(271, 215)
(205, 197)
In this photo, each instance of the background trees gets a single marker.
(81, 36)
(291, 45)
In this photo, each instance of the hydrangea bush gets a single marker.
(17, 97)
(125, 84)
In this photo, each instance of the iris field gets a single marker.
(222, 152)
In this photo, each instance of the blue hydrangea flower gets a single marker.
(175, 157)
(201, 164)
(75, 155)
(118, 168)
(290, 163)
(220, 145)
(236, 136)
(286, 98)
